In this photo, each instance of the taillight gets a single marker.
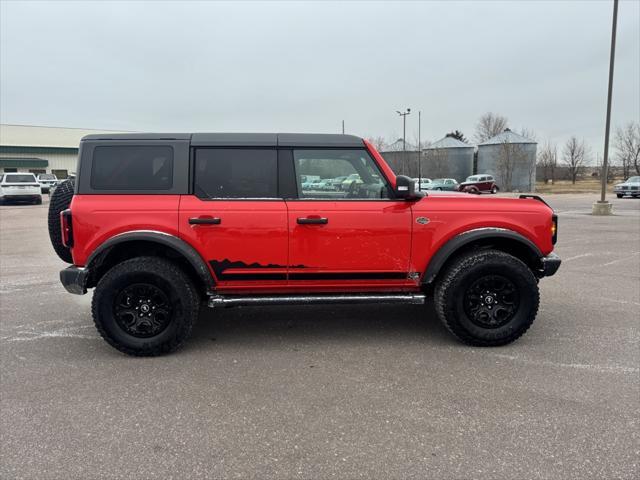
(67, 228)
(554, 229)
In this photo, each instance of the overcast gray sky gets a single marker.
(304, 66)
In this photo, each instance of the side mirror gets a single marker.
(406, 189)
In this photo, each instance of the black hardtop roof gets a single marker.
(241, 139)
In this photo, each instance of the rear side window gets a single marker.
(143, 167)
(27, 178)
(236, 173)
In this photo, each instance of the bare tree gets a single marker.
(528, 133)
(627, 144)
(575, 153)
(378, 142)
(489, 125)
(548, 161)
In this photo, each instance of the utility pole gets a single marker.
(343, 127)
(602, 207)
(404, 136)
(419, 152)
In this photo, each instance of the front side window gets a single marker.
(143, 167)
(338, 175)
(236, 173)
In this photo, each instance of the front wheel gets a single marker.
(145, 306)
(487, 298)
(619, 195)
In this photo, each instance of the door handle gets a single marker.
(204, 221)
(313, 220)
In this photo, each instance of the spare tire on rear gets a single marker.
(59, 201)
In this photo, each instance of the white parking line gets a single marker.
(580, 366)
(619, 260)
(578, 256)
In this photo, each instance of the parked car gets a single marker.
(422, 184)
(160, 225)
(479, 184)
(22, 187)
(47, 181)
(449, 184)
(315, 184)
(346, 183)
(335, 183)
(631, 187)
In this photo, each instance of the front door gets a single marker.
(235, 218)
(345, 230)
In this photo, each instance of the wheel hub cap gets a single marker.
(142, 310)
(491, 301)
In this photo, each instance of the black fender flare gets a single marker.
(166, 239)
(456, 243)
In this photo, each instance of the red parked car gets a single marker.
(479, 184)
(161, 224)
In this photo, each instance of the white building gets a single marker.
(29, 148)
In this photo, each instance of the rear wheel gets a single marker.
(60, 200)
(494, 190)
(487, 298)
(145, 306)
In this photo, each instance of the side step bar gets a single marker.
(236, 301)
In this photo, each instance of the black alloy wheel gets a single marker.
(491, 301)
(142, 310)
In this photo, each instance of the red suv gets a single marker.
(161, 224)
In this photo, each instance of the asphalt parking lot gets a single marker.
(321, 392)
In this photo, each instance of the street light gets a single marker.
(404, 135)
(602, 207)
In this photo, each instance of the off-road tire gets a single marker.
(451, 289)
(60, 200)
(167, 276)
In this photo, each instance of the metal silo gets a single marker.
(448, 158)
(403, 159)
(511, 159)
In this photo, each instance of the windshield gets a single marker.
(634, 180)
(47, 176)
(20, 178)
(472, 179)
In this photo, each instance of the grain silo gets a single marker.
(402, 157)
(511, 159)
(448, 158)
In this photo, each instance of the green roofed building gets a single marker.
(36, 149)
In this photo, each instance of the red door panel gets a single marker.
(243, 241)
(359, 244)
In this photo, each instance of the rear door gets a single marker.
(352, 236)
(235, 217)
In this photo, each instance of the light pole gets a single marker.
(602, 207)
(404, 135)
(419, 153)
